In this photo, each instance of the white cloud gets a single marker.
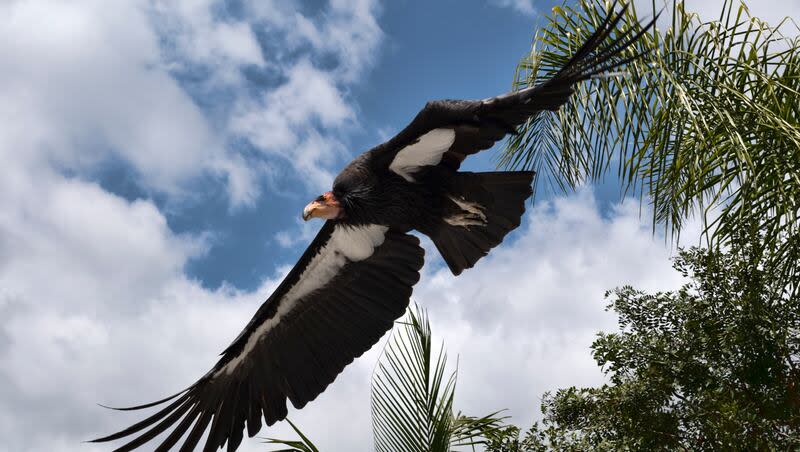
(279, 121)
(242, 178)
(346, 29)
(117, 321)
(199, 37)
(85, 85)
(521, 6)
(287, 121)
(82, 85)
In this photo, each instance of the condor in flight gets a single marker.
(356, 277)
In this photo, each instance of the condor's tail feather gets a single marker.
(480, 209)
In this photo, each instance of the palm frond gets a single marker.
(474, 431)
(412, 396)
(303, 445)
(706, 123)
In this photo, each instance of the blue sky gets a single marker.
(154, 160)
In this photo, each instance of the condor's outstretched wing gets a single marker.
(341, 297)
(445, 132)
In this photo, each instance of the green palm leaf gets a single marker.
(708, 123)
(303, 445)
(412, 396)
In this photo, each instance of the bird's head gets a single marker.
(326, 206)
(353, 192)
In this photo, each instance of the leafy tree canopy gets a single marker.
(712, 366)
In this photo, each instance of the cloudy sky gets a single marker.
(154, 160)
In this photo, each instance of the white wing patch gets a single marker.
(346, 244)
(426, 151)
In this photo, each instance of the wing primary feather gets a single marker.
(147, 405)
(275, 393)
(589, 61)
(303, 371)
(157, 429)
(615, 49)
(235, 434)
(197, 431)
(254, 413)
(213, 440)
(603, 29)
(180, 429)
(622, 41)
(141, 425)
(266, 389)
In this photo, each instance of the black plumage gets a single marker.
(356, 277)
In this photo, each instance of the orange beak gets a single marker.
(326, 206)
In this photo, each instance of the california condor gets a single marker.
(356, 277)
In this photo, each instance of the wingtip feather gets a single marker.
(146, 405)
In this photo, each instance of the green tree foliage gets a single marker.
(708, 122)
(712, 366)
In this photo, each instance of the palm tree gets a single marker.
(707, 123)
(412, 398)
